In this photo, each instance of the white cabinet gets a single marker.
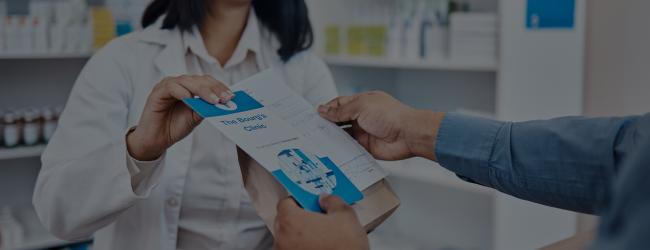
(31, 81)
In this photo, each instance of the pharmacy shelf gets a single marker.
(21, 152)
(481, 65)
(432, 173)
(20, 56)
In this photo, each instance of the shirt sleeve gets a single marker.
(84, 183)
(144, 174)
(566, 162)
(625, 223)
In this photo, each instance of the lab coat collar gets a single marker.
(249, 42)
(170, 61)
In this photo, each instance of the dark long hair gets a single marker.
(288, 20)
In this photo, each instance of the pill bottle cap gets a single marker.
(9, 118)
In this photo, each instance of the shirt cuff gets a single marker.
(136, 167)
(464, 146)
(144, 174)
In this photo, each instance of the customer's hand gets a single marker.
(388, 129)
(166, 120)
(338, 229)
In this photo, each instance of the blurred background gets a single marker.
(504, 59)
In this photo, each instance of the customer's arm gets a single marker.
(625, 222)
(566, 162)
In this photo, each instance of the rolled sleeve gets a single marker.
(144, 174)
(565, 162)
(452, 151)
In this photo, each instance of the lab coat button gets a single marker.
(172, 202)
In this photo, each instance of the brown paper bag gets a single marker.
(265, 191)
(581, 240)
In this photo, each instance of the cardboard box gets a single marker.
(379, 201)
(579, 241)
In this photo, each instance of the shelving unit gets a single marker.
(32, 80)
(21, 152)
(442, 64)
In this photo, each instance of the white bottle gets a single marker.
(86, 36)
(2, 127)
(12, 41)
(49, 124)
(11, 130)
(394, 41)
(40, 36)
(405, 23)
(434, 40)
(71, 39)
(2, 33)
(26, 35)
(414, 33)
(3, 26)
(32, 128)
(57, 38)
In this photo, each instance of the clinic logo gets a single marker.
(241, 102)
(229, 106)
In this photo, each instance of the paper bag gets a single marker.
(265, 191)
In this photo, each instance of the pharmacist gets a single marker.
(124, 130)
(589, 165)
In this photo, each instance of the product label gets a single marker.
(11, 135)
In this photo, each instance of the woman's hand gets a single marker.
(166, 119)
(338, 228)
(387, 128)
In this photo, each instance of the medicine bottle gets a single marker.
(31, 127)
(50, 121)
(11, 131)
(2, 127)
(20, 122)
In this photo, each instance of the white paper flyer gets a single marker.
(307, 154)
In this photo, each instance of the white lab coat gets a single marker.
(84, 187)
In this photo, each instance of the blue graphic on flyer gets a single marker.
(307, 177)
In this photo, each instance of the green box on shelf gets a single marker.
(375, 40)
(333, 40)
(356, 40)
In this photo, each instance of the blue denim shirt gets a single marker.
(589, 165)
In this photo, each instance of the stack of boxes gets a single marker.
(473, 36)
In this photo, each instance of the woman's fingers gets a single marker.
(178, 92)
(205, 87)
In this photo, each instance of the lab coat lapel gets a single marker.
(171, 59)
(171, 62)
